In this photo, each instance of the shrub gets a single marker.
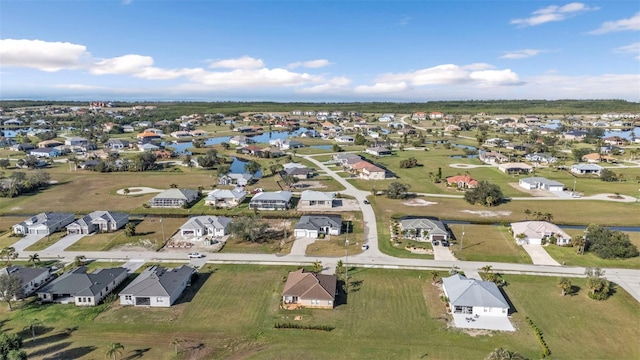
(303, 327)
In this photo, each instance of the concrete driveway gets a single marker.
(300, 245)
(539, 256)
(64, 243)
(27, 241)
(443, 253)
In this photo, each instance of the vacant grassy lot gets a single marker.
(487, 243)
(387, 315)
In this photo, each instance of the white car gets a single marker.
(365, 247)
(195, 255)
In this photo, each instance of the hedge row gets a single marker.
(545, 348)
(303, 327)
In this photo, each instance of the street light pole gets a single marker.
(346, 260)
(163, 238)
(462, 238)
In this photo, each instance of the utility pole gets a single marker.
(163, 238)
(346, 261)
(462, 238)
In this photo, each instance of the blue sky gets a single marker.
(319, 50)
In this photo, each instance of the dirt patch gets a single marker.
(534, 193)
(309, 185)
(487, 213)
(419, 202)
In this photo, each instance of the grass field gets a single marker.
(387, 315)
(487, 243)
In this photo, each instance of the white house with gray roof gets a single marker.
(271, 200)
(533, 232)
(98, 221)
(82, 288)
(316, 199)
(45, 223)
(225, 198)
(586, 169)
(174, 198)
(157, 286)
(423, 229)
(312, 226)
(31, 278)
(199, 226)
(476, 304)
(235, 179)
(540, 183)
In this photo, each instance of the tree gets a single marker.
(5, 163)
(565, 285)
(173, 186)
(398, 190)
(608, 175)
(289, 180)
(10, 253)
(609, 244)
(34, 259)
(130, 229)
(249, 228)
(336, 148)
(317, 266)
(223, 169)
(9, 345)
(275, 168)
(10, 289)
(175, 342)
(504, 354)
(34, 324)
(16, 355)
(485, 194)
(435, 277)
(252, 167)
(599, 287)
(79, 260)
(114, 349)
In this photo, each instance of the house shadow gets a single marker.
(136, 354)
(512, 308)
(196, 284)
(341, 296)
(50, 349)
(75, 353)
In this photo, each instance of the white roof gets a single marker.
(470, 292)
(538, 229)
(311, 195)
(236, 193)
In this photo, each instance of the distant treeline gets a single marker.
(492, 107)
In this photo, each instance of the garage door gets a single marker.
(439, 237)
(300, 233)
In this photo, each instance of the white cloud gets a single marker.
(630, 24)
(253, 78)
(381, 88)
(313, 64)
(478, 66)
(78, 87)
(521, 54)
(123, 65)
(42, 55)
(633, 49)
(553, 13)
(404, 21)
(495, 77)
(337, 84)
(437, 75)
(245, 62)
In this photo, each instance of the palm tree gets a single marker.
(114, 349)
(175, 342)
(10, 253)
(317, 266)
(79, 260)
(126, 191)
(527, 213)
(33, 325)
(35, 259)
(435, 277)
(565, 285)
(504, 354)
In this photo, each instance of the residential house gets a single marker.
(271, 200)
(541, 158)
(13, 122)
(301, 173)
(597, 157)
(241, 140)
(307, 289)
(157, 286)
(611, 149)
(117, 144)
(31, 278)
(286, 144)
(346, 159)
(181, 134)
(540, 183)
(312, 226)
(476, 304)
(491, 157)
(198, 133)
(423, 229)
(252, 150)
(45, 223)
(6, 141)
(174, 198)
(436, 115)
(76, 141)
(235, 179)
(49, 144)
(147, 137)
(81, 288)
(419, 115)
(316, 199)
(515, 168)
(344, 139)
(462, 181)
(98, 221)
(148, 147)
(586, 169)
(225, 198)
(45, 152)
(201, 226)
(368, 171)
(497, 142)
(535, 232)
(272, 152)
(22, 147)
(577, 135)
(378, 151)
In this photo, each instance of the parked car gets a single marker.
(366, 202)
(445, 243)
(365, 247)
(436, 243)
(195, 255)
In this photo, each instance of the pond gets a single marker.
(323, 147)
(635, 133)
(181, 147)
(237, 166)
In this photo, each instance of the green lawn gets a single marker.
(388, 314)
(46, 241)
(487, 243)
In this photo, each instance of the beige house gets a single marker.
(316, 199)
(307, 289)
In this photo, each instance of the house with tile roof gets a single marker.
(462, 181)
(534, 232)
(423, 229)
(316, 199)
(157, 286)
(307, 289)
(82, 288)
